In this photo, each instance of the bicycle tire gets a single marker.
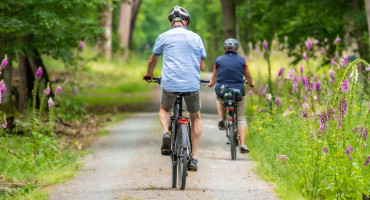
(174, 173)
(183, 169)
(232, 141)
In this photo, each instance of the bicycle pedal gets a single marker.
(165, 152)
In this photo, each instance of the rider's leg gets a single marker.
(196, 130)
(164, 117)
(241, 131)
(242, 123)
(220, 110)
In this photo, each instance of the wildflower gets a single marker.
(286, 113)
(304, 98)
(81, 45)
(75, 91)
(290, 73)
(327, 114)
(47, 91)
(304, 114)
(331, 74)
(344, 60)
(92, 84)
(4, 62)
(325, 40)
(301, 69)
(367, 68)
(345, 103)
(339, 118)
(337, 40)
(58, 90)
(325, 150)
(318, 85)
(315, 98)
(269, 96)
(281, 71)
(266, 88)
(367, 161)
(305, 56)
(322, 125)
(50, 102)
(277, 101)
(265, 45)
(332, 62)
(295, 84)
(53, 80)
(309, 44)
(305, 83)
(345, 85)
(335, 56)
(250, 92)
(283, 158)
(349, 149)
(260, 90)
(2, 89)
(366, 134)
(39, 73)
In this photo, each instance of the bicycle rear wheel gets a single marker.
(174, 162)
(183, 168)
(232, 141)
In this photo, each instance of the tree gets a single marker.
(127, 19)
(55, 27)
(105, 45)
(228, 18)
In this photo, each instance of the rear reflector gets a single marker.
(230, 119)
(230, 108)
(183, 121)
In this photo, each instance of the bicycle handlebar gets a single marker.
(158, 80)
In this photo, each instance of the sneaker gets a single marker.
(221, 125)
(193, 165)
(166, 144)
(244, 149)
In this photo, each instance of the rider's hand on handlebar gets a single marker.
(252, 84)
(148, 77)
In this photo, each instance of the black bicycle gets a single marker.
(230, 99)
(181, 147)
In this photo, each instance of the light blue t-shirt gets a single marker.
(182, 51)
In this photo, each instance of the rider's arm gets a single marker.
(151, 65)
(248, 76)
(214, 77)
(202, 65)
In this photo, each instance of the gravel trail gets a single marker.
(127, 165)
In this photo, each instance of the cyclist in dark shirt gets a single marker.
(229, 70)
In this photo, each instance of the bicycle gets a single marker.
(181, 147)
(230, 106)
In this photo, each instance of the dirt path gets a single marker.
(127, 165)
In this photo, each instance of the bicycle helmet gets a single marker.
(178, 14)
(231, 44)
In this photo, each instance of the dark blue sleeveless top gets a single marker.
(230, 71)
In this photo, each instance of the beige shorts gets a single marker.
(192, 101)
(240, 112)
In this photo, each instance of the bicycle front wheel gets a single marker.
(232, 141)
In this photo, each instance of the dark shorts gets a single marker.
(192, 101)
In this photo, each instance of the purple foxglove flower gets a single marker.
(325, 150)
(318, 85)
(266, 89)
(367, 161)
(4, 62)
(278, 101)
(335, 56)
(301, 69)
(345, 86)
(75, 91)
(250, 92)
(309, 44)
(327, 114)
(337, 40)
(332, 62)
(344, 60)
(283, 158)
(304, 98)
(331, 74)
(345, 104)
(53, 80)
(50, 102)
(349, 149)
(322, 125)
(39, 73)
(339, 118)
(47, 91)
(2, 89)
(295, 84)
(92, 84)
(366, 133)
(304, 114)
(5, 124)
(265, 45)
(305, 56)
(58, 90)
(260, 90)
(81, 45)
(290, 73)
(325, 40)
(367, 68)
(281, 71)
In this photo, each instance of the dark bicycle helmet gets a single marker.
(178, 14)
(231, 44)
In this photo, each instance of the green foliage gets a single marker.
(52, 27)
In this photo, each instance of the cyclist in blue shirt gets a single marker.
(183, 59)
(229, 70)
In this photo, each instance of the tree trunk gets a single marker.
(367, 5)
(106, 43)
(127, 19)
(228, 18)
(23, 83)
